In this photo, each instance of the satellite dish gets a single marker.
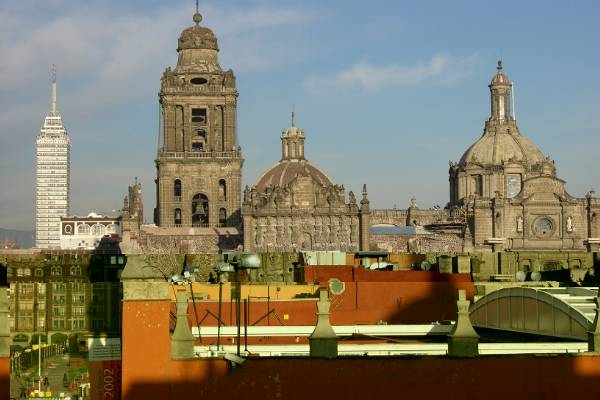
(536, 276)
(520, 276)
(425, 265)
(336, 286)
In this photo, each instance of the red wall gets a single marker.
(490, 378)
(360, 303)
(4, 378)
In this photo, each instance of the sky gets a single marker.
(387, 91)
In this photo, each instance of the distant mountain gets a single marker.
(23, 239)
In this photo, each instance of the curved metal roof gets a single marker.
(566, 312)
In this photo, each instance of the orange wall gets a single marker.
(4, 378)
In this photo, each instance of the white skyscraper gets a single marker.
(53, 149)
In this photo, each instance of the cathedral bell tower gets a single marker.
(199, 161)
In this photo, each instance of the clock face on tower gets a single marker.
(513, 185)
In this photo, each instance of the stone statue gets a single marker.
(520, 224)
(569, 224)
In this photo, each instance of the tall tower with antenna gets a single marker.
(53, 148)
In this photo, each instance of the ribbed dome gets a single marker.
(496, 148)
(285, 171)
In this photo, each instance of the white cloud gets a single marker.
(363, 75)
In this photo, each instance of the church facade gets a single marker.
(510, 193)
(505, 194)
(295, 206)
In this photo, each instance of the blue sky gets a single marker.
(387, 91)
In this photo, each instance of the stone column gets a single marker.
(463, 340)
(323, 340)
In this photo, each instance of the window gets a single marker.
(58, 324)
(76, 271)
(58, 311)
(177, 217)
(197, 146)
(98, 230)
(58, 299)
(199, 115)
(222, 189)
(58, 287)
(78, 299)
(56, 271)
(477, 185)
(222, 217)
(513, 185)
(78, 324)
(77, 287)
(39, 272)
(78, 311)
(83, 229)
(200, 210)
(25, 290)
(177, 188)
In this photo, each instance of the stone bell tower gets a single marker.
(199, 161)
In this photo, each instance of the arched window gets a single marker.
(39, 272)
(112, 228)
(200, 210)
(177, 188)
(177, 217)
(56, 271)
(222, 217)
(76, 271)
(98, 230)
(222, 190)
(83, 229)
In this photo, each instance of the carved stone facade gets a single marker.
(295, 206)
(199, 161)
(510, 194)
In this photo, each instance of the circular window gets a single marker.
(543, 227)
(68, 229)
(198, 81)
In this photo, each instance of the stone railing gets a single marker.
(179, 155)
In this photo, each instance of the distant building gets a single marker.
(510, 193)
(53, 148)
(295, 206)
(86, 232)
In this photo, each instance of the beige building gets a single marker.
(510, 193)
(199, 161)
(296, 206)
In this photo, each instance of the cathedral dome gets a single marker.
(285, 171)
(495, 148)
(292, 162)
